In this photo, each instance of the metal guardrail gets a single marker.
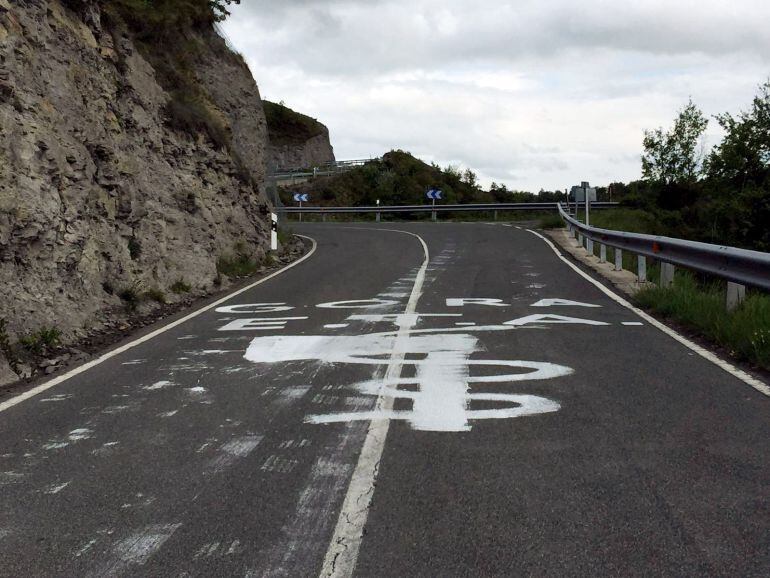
(324, 169)
(738, 266)
(436, 209)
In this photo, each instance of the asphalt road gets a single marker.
(487, 412)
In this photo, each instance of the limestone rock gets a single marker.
(7, 374)
(97, 192)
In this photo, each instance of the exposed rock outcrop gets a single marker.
(97, 192)
(296, 140)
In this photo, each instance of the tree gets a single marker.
(676, 156)
(743, 156)
(219, 8)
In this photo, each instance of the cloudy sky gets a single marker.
(533, 94)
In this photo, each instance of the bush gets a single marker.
(190, 113)
(551, 222)
(238, 264)
(132, 295)
(155, 294)
(38, 341)
(180, 286)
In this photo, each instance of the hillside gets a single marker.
(296, 140)
(399, 178)
(132, 159)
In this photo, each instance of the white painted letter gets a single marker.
(550, 302)
(547, 318)
(254, 308)
(475, 301)
(357, 304)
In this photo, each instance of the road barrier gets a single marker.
(480, 207)
(739, 267)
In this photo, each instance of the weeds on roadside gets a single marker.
(745, 331)
(41, 339)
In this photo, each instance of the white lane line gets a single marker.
(342, 555)
(110, 354)
(760, 386)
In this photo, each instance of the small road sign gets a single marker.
(302, 197)
(434, 194)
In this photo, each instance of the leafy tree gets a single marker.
(219, 8)
(675, 156)
(743, 156)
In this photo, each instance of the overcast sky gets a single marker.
(533, 94)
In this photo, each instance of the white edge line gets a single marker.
(342, 554)
(110, 354)
(760, 386)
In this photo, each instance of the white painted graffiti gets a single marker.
(443, 399)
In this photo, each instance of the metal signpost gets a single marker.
(300, 198)
(434, 194)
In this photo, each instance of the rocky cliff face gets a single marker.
(97, 192)
(313, 152)
(296, 140)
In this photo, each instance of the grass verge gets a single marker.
(744, 332)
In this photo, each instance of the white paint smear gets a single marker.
(158, 385)
(56, 488)
(80, 434)
(136, 549)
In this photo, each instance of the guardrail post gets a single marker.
(580, 239)
(618, 259)
(736, 293)
(641, 266)
(590, 245)
(602, 253)
(494, 215)
(323, 217)
(666, 274)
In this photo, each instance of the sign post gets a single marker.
(273, 231)
(300, 197)
(378, 212)
(433, 194)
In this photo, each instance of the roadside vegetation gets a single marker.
(288, 127)
(720, 196)
(700, 306)
(398, 178)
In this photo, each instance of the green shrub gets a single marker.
(551, 222)
(180, 286)
(237, 264)
(45, 337)
(131, 295)
(155, 294)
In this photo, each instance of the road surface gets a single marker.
(414, 400)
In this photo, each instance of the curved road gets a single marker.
(430, 400)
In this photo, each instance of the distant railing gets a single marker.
(437, 208)
(323, 169)
(739, 267)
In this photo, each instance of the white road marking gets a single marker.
(632, 323)
(117, 351)
(259, 323)
(552, 302)
(336, 325)
(342, 555)
(760, 386)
